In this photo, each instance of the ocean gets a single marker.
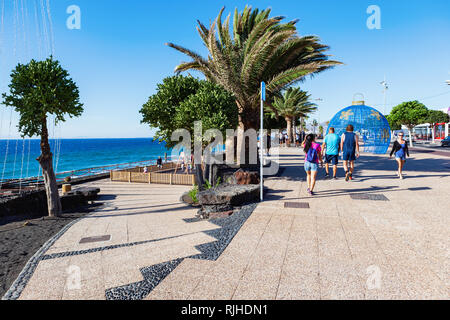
(18, 157)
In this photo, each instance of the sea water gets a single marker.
(18, 157)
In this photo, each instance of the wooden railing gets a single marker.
(154, 175)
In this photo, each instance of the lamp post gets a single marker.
(318, 109)
(385, 88)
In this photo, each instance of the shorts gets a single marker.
(403, 158)
(311, 166)
(332, 158)
(349, 156)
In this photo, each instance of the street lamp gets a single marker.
(318, 111)
(385, 88)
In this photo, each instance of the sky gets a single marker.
(118, 56)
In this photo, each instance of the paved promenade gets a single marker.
(376, 237)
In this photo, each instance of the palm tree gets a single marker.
(294, 103)
(257, 48)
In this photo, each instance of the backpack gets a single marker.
(312, 156)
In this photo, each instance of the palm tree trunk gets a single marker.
(46, 162)
(289, 128)
(294, 133)
(251, 122)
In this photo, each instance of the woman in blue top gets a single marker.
(401, 150)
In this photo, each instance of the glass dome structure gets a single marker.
(370, 124)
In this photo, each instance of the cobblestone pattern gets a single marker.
(153, 275)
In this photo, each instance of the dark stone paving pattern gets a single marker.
(153, 275)
(122, 245)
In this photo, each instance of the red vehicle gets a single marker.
(439, 131)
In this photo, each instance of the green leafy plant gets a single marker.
(193, 194)
(208, 184)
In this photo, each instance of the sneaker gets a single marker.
(327, 175)
(311, 193)
(308, 190)
(350, 176)
(347, 176)
(401, 177)
(335, 178)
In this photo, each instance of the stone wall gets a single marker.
(33, 204)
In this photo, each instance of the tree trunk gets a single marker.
(199, 177)
(250, 121)
(294, 131)
(289, 129)
(410, 137)
(46, 162)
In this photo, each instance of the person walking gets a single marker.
(331, 148)
(350, 150)
(312, 159)
(269, 143)
(401, 150)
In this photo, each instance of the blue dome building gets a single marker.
(370, 124)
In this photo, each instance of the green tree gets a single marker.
(181, 101)
(410, 114)
(302, 122)
(436, 116)
(37, 90)
(256, 48)
(161, 108)
(293, 103)
(394, 125)
(212, 105)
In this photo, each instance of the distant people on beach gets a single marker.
(401, 150)
(312, 159)
(331, 149)
(350, 150)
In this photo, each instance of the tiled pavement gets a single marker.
(339, 248)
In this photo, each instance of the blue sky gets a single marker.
(119, 56)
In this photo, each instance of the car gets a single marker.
(445, 142)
